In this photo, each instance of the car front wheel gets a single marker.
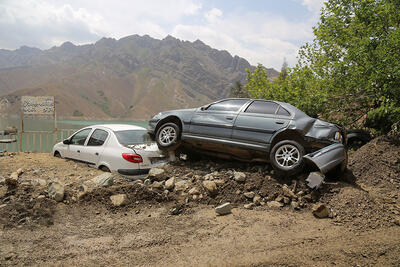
(287, 156)
(168, 136)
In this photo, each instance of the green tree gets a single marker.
(350, 71)
(356, 58)
(237, 90)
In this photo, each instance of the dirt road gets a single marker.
(363, 229)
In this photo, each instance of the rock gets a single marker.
(147, 182)
(3, 191)
(209, 176)
(56, 191)
(249, 195)
(257, 199)
(224, 209)
(239, 176)
(39, 182)
(295, 205)
(249, 206)
(274, 204)
(211, 187)
(119, 200)
(300, 193)
(170, 183)
(286, 200)
(279, 198)
(194, 191)
(178, 209)
(19, 171)
(219, 182)
(157, 174)
(287, 192)
(103, 180)
(320, 210)
(157, 185)
(181, 185)
(41, 197)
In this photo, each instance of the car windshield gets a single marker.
(132, 137)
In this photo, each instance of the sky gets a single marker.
(262, 31)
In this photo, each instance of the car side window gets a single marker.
(283, 111)
(228, 105)
(80, 137)
(263, 107)
(97, 138)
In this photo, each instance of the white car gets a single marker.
(126, 149)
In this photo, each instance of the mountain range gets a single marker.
(131, 78)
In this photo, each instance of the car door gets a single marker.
(94, 147)
(217, 119)
(259, 122)
(77, 142)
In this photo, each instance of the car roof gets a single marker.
(119, 127)
(292, 109)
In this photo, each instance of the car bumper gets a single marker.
(328, 157)
(152, 126)
(133, 171)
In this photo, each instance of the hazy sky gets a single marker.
(262, 31)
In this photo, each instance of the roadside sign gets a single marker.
(37, 105)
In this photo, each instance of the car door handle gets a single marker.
(279, 122)
(97, 153)
(229, 118)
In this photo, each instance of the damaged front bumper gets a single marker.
(327, 158)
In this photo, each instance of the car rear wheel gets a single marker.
(287, 156)
(168, 136)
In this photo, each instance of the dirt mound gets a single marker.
(22, 206)
(137, 194)
(369, 197)
(259, 179)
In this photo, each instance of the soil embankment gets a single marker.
(169, 219)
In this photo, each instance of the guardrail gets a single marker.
(34, 141)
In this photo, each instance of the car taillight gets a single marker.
(135, 158)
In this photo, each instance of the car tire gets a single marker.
(287, 157)
(168, 136)
(57, 154)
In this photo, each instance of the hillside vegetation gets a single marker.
(349, 73)
(133, 77)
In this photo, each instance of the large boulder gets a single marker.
(211, 187)
(56, 191)
(103, 180)
(170, 183)
(239, 176)
(320, 210)
(157, 174)
(224, 209)
(119, 200)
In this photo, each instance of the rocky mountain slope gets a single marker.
(133, 77)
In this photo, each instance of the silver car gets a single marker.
(121, 148)
(253, 130)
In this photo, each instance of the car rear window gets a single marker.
(228, 105)
(263, 107)
(132, 137)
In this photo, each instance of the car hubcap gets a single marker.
(287, 156)
(167, 135)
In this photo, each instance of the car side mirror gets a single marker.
(66, 142)
(204, 107)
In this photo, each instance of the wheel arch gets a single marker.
(101, 164)
(288, 135)
(172, 118)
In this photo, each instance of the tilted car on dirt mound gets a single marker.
(253, 130)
